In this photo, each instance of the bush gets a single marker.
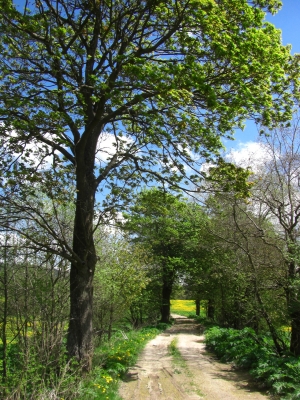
(64, 381)
(256, 353)
(28, 378)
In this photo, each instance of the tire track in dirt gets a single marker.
(200, 376)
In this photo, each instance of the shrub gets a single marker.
(256, 353)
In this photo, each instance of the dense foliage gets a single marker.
(257, 352)
(170, 227)
(110, 362)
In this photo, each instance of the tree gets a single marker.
(34, 289)
(251, 274)
(203, 256)
(277, 195)
(169, 227)
(119, 280)
(161, 82)
(268, 227)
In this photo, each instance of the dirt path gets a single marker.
(195, 375)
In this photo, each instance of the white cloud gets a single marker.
(108, 144)
(32, 153)
(249, 154)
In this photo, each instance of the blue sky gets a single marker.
(288, 20)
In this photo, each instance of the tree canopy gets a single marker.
(162, 80)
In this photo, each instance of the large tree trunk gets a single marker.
(197, 302)
(80, 333)
(166, 301)
(211, 309)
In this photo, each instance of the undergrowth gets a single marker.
(257, 353)
(65, 381)
(111, 361)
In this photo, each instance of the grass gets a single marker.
(178, 360)
(173, 350)
(180, 365)
(187, 308)
(183, 307)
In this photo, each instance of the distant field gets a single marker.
(183, 307)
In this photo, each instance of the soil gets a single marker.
(195, 374)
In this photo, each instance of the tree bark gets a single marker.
(80, 333)
(197, 302)
(210, 309)
(166, 301)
